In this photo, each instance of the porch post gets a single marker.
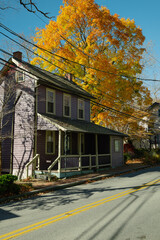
(79, 150)
(110, 139)
(96, 142)
(59, 150)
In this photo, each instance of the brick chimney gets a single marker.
(18, 55)
(69, 76)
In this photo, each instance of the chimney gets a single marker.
(17, 55)
(69, 76)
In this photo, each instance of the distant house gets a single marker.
(154, 125)
(48, 128)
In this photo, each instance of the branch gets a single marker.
(4, 8)
(30, 5)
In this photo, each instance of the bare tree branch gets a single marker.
(4, 8)
(30, 6)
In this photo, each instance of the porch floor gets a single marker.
(43, 174)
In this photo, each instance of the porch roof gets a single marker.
(48, 122)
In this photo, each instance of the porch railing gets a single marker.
(79, 162)
(35, 161)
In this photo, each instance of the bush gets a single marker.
(152, 157)
(7, 184)
(127, 156)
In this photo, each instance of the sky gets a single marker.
(144, 12)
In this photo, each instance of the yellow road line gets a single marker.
(59, 217)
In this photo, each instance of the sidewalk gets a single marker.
(41, 186)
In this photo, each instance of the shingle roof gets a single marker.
(54, 80)
(153, 105)
(79, 125)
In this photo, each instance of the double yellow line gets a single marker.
(65, 215)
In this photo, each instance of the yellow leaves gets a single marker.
(105, 48)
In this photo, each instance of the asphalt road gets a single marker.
(121, 208)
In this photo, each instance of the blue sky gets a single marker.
(144, 12)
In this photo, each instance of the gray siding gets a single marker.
(117, 157)
(41, 99)
(87, 110)
(59, 103)
(8, 97)
(74, 104)
(24, 127)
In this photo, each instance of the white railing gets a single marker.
(78, 160)
(35, 160)
(51, 166)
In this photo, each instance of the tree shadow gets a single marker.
(4, 215)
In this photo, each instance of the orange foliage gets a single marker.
(97, 40)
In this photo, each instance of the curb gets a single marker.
(67, 185)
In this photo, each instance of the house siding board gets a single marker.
(6, 141)
(74, 102)
(46, 159)
(59, 103)
(24, 126)
(41, 99)
(8, 97)
(117, 157)
(87, 110)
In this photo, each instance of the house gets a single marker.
(46, 125)
(154, 125)
(151, 125)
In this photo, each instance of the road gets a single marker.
(121, 208)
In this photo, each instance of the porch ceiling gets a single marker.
(49, 122)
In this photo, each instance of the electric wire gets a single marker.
(95, 103)
(118, 75)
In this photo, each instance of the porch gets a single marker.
(69, 147)
(74, 153)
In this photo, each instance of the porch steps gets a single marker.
(64, 174)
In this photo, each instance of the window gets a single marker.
(80, 109)
(50, 101)
(158, 112)
(50, 142)
(117, 145)
(19, 76)
(66, 105)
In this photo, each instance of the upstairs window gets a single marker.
(80, 109)
(50, 101)
(19, 76)
(66, 105)
(50, 142)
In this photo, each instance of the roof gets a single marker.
(54, 80)
(82, 126)
(153, 105)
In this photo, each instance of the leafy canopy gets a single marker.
(102, 50)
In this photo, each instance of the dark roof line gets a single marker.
(55, 80)
(81, 126)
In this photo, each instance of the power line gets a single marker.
(32, 52)
(83, 81)
(42, 49)
(94, 102)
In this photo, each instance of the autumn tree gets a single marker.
(104, 54)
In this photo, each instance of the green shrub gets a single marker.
(127, 156)
(7, 184)
(152, 157)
